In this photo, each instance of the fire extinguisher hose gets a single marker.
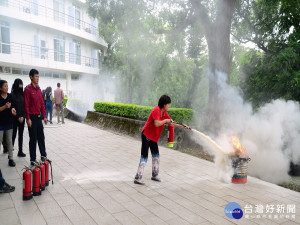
(50, 162)
(180, 124)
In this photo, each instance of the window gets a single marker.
(48, 74)
(75, 76)
(4, 3)
(59, 48)
(75, 52)
(95, 58)
(31, 6)
(25, 72)
(4, 69)
(44, 50)
(4, 38)
(41, 73)
(16, 71)
(74, 17)
(59, 10)
(77, 17)
(94, 26)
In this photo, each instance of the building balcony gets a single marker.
(44, 16)
(32, 56)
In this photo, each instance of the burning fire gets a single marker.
(238, 148)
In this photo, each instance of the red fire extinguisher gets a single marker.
(47, 164)
(27, 194)
(36, 189)
(42, 168)
(170, 136)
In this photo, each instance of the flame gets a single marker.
(238, 148)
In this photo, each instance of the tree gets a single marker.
(273, 71)
(174, 32)
(148, 64)
(215, 18)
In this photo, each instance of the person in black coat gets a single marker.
(5, 150)
(6, 119)
(19, 119)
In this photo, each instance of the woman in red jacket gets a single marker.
(150, 135)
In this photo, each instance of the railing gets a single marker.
(23, 50)
(30, 7)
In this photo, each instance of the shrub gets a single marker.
(64, 101)
(139, 112)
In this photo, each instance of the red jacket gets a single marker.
(149, 130)
(33, 101)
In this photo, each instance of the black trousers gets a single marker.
(146, 143)
(2, 181)
(36, 134)
(18, 126)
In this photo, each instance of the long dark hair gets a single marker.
(48, 91)
(15, 87)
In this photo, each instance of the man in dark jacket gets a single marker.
(34, 107)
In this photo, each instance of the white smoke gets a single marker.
(87, 90)
(271, 136)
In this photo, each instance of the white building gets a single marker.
(56, 37)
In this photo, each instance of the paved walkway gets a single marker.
(93, 184)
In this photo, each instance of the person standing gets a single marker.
(59, 99)
(34, 107)
(19, 119)
(6, 119)
(150, 135)
(5, 150)
(48, 102)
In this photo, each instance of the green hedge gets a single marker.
(64, 101)
(139, 112)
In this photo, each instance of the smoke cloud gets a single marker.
(87, 90)
(271, 135)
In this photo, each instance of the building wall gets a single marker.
(43, 82)
(31, 21)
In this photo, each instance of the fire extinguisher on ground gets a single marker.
(36, 189)
(48, 164)
(27, 192)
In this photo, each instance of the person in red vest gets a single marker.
(34, 107)
(150, 135)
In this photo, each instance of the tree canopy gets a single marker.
(166, 46)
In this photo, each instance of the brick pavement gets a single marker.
(93, 184)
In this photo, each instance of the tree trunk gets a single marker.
(218, 39)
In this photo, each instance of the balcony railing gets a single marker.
(23, 50)
(30, 7)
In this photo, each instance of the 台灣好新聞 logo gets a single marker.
(233, 210)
